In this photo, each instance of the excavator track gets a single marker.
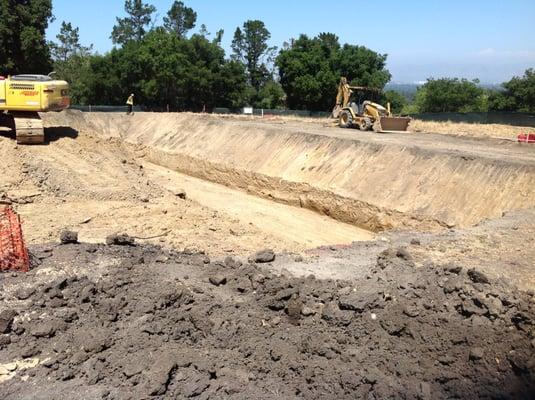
(29, 128)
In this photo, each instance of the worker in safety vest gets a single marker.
(130, 104)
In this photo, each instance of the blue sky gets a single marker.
(491, 40)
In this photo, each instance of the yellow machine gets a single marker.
(22, 97)
(355, 109)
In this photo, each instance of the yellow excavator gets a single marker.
(23, 97)
(355, 108)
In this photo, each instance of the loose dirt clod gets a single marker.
(124, 321)
(181, 194)
(263, 256)
(121, 239)
(6, 319)
(67, 237)
(477, 276)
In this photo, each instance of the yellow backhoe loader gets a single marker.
(355, 109)
(23, 97)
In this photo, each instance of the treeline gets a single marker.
(462, 95)
(179, 65)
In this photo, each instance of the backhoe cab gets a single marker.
(357, 107)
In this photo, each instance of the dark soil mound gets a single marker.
(171, 325)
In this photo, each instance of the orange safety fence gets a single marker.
(13, 252)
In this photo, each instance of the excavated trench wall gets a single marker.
(375, 186)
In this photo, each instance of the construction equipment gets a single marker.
(355, 108)
(23, 97)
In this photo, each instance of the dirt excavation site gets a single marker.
(179, 256)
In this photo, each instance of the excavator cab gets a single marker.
(23, 97)
(357, 106)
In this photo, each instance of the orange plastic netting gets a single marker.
(13, 251)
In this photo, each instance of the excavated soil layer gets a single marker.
(110, 322)
(373, 181)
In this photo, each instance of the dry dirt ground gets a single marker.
(485, 131)
(397, 314)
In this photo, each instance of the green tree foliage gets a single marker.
(500, 100)
(450, 95)
(397, 101)
(518, 94)
(250, 46)
(134, 26)
(23, 48)
(163, 69)
(71, 59)
(68, 44)
(310, 69)
(180, 19)
(271, 96)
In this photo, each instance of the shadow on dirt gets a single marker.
(7, 134)
(51, 134)
(58, 132)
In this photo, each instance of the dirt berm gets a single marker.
(110, 322)
(374, 181)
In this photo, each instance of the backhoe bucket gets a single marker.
(394, 124)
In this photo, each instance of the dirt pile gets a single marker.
(131, 322)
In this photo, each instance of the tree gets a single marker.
(271, 96)
(180, 19)
(397, 101)
(68, 44)
(203, 31)
(23, 48)
(250, 46)
(71, 59)
(310, 69)
(133, 27)
(450, 95)
(501, 100)
(163, 69)
(518, 94)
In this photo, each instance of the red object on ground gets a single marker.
(526, 138)
(13, 252)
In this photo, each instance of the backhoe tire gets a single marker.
(346, 119)
(365, 125)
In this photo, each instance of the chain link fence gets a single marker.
(277, 112)
(100, 108)
(503, 118)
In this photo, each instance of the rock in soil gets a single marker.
(123, 323)
(121, 239)
(67, 237)
(263, 256)
(478, 276)
(181, 194)
(218, 280)
(6, 320)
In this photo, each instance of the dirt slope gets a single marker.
(96, 186)
(374, 181)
